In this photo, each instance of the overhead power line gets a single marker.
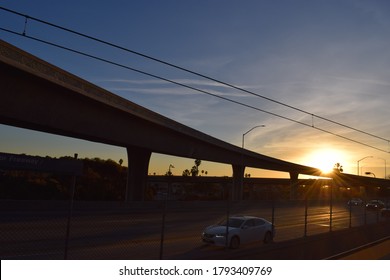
(188, 71)
(188, 87)
(27, 17)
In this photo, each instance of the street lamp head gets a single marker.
(358, 173)
(243, 135)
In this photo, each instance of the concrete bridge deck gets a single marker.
(40, 96)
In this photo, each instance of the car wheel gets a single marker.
(234, 242)
(268, 237)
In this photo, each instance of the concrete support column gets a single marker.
(238, 182)
(294, 185)
(137, 174)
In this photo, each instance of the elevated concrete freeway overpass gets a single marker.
(40, 96)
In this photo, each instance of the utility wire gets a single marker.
(186, 86)
(191, 72)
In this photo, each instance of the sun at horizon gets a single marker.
(325, 159)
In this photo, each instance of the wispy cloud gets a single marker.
(164, 87)
(328, 60)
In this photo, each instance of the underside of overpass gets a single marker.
(37, 95)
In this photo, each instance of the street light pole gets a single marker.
(250, 131)
(242, 158)
(358, 173)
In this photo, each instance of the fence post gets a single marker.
(229, 193)
(165, 204)
(331, 208)
(306, 207)
(273, 214)
(350, 215)
(365, 213)
(377, 215)
(70, 213)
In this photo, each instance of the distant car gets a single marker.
(375, 204)
(385, 212)
(239, 230)
(355, 202)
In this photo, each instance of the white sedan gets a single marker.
(239, 230)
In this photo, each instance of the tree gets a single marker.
(338, 168)
(195, 168)
(169, 172)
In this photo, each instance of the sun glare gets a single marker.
(325, 159)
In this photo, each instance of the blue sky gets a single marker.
(329, 58)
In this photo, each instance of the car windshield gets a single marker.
(233, 222)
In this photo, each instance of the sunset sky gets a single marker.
(328, 59)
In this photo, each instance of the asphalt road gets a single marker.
(137, 234)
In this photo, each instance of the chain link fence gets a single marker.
(166, 227)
